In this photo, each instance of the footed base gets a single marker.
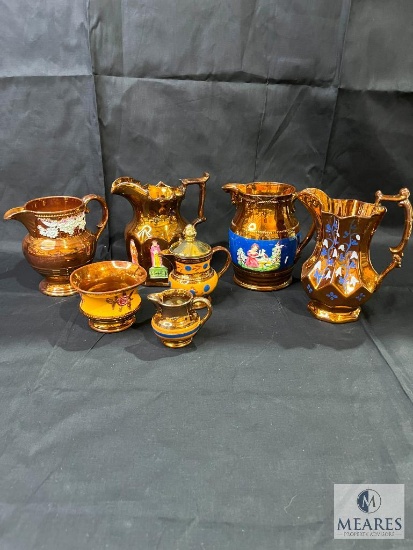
(262, 280)
(108, 325)
(52, 287)
(176, 343)
(333, 315)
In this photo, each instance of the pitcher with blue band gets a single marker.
(264, 235)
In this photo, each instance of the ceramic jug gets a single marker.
(58, 241)
(339, 276)
(157, 221)
(264, 235)
(192, 264)
(176, 321)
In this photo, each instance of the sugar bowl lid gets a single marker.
(189, 247)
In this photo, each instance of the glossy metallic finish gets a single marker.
(192, 264)
(176, 321)
(109, 293)
(157, 222)
(264, 234)
(339, 276)
(58, 241)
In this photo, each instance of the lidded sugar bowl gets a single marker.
(192, 264)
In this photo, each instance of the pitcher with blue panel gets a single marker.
(264, 235)
(192, 264)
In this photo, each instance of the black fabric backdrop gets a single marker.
(114, 441)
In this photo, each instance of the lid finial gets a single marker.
(189, 233)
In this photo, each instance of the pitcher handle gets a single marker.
(227, 262)
(397, 251)
(201, 182)
(207, 304)
(105, 213)
(310, 232)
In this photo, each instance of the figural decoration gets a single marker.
(157, 222)
(264, 235)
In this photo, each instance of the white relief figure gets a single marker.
(64, 225)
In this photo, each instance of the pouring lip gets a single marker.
(333, 205)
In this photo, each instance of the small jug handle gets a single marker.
(397, 251)
(227, 262)
(310, 232)
(105, 214)
(206, 303)
(201, 182)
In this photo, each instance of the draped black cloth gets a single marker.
(235, 442)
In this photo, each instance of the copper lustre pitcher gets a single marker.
(58, 241)
(339, 276)
(157, 222)
(264, 235)
(177, 320)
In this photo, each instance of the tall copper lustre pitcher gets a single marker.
(264, 235)
(339, 276)
(157, 222)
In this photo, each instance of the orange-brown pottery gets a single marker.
(264, 235)
(157, 221)
(58, 241)
(176, 321)
(192, 264)
(339, 276)
(109, 293)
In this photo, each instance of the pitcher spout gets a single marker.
(234, 190)
(316, 202)
(26, 217)
(129, 188)
(231, 187)
(154, 298)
